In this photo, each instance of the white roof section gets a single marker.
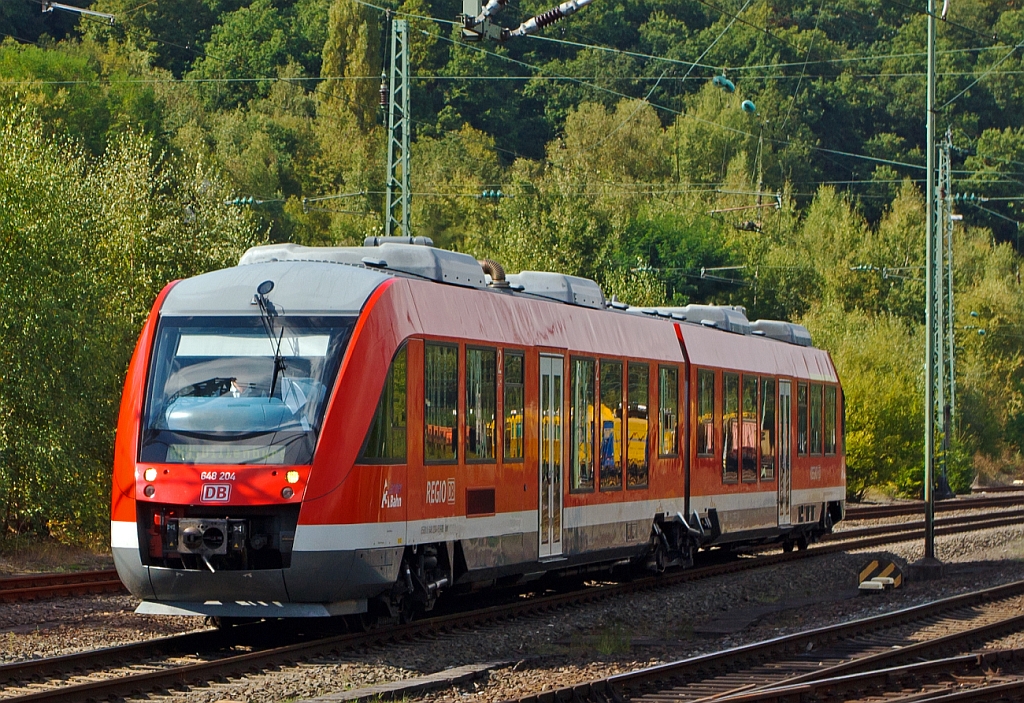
(305, 288)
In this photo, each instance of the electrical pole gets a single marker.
(929, 567)
(399, 123)
(944, 369)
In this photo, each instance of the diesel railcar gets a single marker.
(336, 431)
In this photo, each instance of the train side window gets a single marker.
(385, 442)
(481, 403)
(730, 427)
(705, 412)
(816, 418)
(830, 419)
(842, 423)
(668, 410)
(639, 378)
(441, 401)
(611, 426)
(748, 430)
(582, 422)
(514, 405)
(767, 434)
(801, 419)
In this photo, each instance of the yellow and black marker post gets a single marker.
(879, 575)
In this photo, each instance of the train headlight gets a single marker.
(292, 477)
(149, 491)
(151, 474)
(287, 492)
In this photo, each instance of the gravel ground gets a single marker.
(597, 640)
(48, 628)
(558, 649)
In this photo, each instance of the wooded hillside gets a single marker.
(124, 150)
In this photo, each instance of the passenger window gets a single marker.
(816, 433)
(481, 403)
(386, 439)
(611, 425)
(830, 420)
(636, 427)
(730, 427)
(582, 422)
(748, 438)
(767, 437)
(668, 410)
(514, 405)
(705, 413)
(441, 400)
(801, 418)
(842, 423)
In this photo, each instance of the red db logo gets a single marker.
(215, 493)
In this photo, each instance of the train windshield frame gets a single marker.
(217, 392)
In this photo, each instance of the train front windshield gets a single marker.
(222, 390)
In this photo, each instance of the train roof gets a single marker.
(339, 280)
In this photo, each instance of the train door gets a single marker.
(550, 483)
(785, 450)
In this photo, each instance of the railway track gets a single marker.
(874, 512)
(172, 662)
(852, 661)
(35, 586)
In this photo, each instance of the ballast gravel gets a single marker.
(579, 644)
(557, 649)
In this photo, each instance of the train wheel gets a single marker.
(787, 546)
(801, 543)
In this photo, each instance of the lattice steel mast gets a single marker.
(399, 124)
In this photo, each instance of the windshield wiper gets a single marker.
(268, 312)
(210, 388)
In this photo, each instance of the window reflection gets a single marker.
(816, 434)
(705, 413)
(768, 429)
(611, 425)
(636, 453)
(513, 380)
(441, 382)
(481, 403)
(582, 421)
(748, 439)
(730, 427)
(668, 410)
(386, 438)
(801, 418)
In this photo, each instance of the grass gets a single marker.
(32, 553)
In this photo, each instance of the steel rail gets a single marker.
(33, 586)
(873, 512)
(619, 686)
(858, 532)
(907, 676)
(235, 665)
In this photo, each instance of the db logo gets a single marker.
(215, 493)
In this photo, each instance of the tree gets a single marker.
(248, 48)
(89, 243)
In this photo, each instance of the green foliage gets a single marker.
(249, 45)
(123, 143)
(88, 244)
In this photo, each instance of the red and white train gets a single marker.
(331, 431)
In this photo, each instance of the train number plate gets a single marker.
(215, 493)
